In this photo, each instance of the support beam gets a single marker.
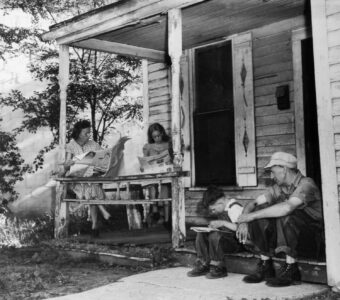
(113, 17)
(61, 208)
(326, 140)
(175, 52)
(64, 69)
(123, 49)
(145, 69)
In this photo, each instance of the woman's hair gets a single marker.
(157, 127)
(211, 195)
(78, 127)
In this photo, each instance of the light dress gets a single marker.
(85, 191)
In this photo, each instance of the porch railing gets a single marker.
(176, 200)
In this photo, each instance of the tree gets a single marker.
(98, 81)
(12, 166)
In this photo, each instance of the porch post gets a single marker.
(64, 67)
(61, 208)
(326, 140)
(175, 53)
(145, 95)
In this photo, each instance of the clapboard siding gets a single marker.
(195, 213)
(273, 67)
(275, 129)
(333, 38)
(333, 28)
(159, 95)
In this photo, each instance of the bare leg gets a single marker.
(104, 212)
(94, 215)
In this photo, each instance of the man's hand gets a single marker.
(245, 218)
(242, 233)
(216, 224)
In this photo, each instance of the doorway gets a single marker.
(213, 116)
(312, 153)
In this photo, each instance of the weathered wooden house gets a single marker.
(233, 81)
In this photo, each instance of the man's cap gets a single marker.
(282, 159)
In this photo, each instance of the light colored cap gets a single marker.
(282, 159)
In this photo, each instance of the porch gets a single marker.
(264, 39)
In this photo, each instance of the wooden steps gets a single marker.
(245, 263)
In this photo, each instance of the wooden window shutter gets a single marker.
(185, 88)
(245, 150)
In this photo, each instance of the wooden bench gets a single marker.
(177, 199)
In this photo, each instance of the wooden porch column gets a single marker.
(145, 95)
(61, 208)
(326, 140)
(64, 70)
(175, 53)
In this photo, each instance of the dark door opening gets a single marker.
(214, 116)
(310, 112)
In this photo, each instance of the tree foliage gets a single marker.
(98, 81)
(12, 165)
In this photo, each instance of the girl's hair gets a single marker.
(78, 127)
(157, 127)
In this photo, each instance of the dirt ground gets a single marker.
(43, 272)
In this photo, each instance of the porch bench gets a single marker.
(175, 178)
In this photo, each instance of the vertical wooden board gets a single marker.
(244, 110)
(64, 67)
(145, 67)
(61, 212)
(326, 140)
(175, 53)
(178, 212)
(297, 36)
(185, 116)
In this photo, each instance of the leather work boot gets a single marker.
(290, 275)
(198, 270)
(264, 270)
(217, 272)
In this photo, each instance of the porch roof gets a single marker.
(139, 28)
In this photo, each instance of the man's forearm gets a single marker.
(275, 211)
(250, 206)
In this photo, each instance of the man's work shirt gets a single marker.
(303, 188)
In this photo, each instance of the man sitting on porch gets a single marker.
(276, 220)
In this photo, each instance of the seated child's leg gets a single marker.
(202, 247)
(221, 244)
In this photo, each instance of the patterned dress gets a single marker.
(85, 191)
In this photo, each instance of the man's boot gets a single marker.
(217, 272)
(264, 270)
(290, 275)
(199, 269)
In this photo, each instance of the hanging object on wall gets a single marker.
(282, 97)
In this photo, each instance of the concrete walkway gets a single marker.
(173, 284)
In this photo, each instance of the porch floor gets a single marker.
(173, 283)
(154, 235)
